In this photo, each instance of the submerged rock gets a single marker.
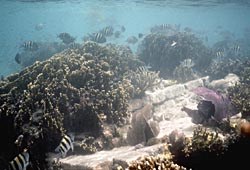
(142, 128)
(223, 84)
(105, 160)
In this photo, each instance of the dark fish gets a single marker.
(117, 34)
(39, 26)
(222, 104)
(187, 29)
(107, 31)
(64, 35)
(30, 46)
(20, 162)
(132, 40)
(205, 112)
(66, 38)
(206, 109)
(18, 58)
(65, 145)
(123, 29)
(140, 35)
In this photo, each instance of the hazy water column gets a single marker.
(18, 21)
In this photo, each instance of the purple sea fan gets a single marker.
(222, 104)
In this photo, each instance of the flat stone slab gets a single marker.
(106, 159)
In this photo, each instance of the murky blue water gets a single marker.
(42, 21)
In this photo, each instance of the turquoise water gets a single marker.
(19, 19)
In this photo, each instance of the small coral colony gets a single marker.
(68, 88)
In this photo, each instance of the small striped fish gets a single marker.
(20, 162)
(30, 46)
(107, 31)
(236, 48)
(98, 37)
(65, 145)
(188, 63)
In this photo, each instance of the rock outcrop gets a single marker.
(163, 106)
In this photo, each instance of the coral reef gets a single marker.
(142, 79)
(208, 149)
(157, 162)
(231, 56)
(231, 49)
(165, 52)
(240, 93)
(206, 141)
(89, 145)
(74, 91)
(220, 68)
(203, 146)
(183, 74)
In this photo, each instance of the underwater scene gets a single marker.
(124, 84)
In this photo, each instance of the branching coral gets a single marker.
(157, 162)
(206, 146)
(89, 145)
(184, 74)
(142, 79)
(206, 141)
(195, 152)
